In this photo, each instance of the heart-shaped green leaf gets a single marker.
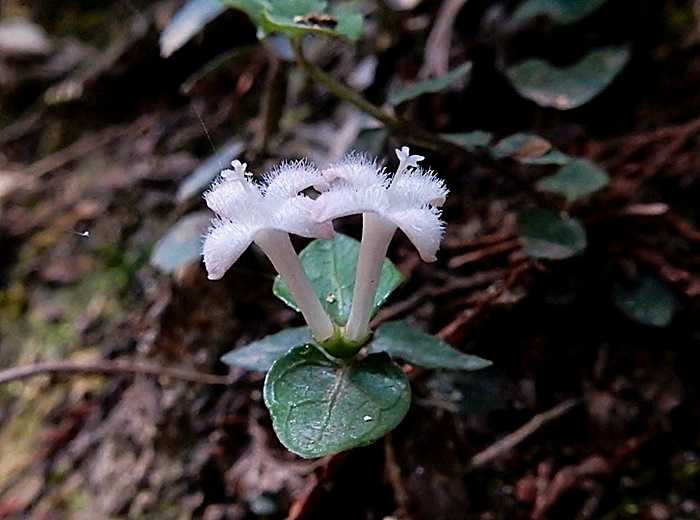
(400, 340)
(562, 12)
(430, 85)
(319, 407)
(545, 234)
(330, 265)
(260, 355)
(575, 180)
(648, 302)
(568, 87)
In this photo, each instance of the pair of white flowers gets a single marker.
(266, 213)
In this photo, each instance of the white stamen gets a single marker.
(406, 160)
(238, 172)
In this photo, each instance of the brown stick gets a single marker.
(393, 473)
(511, 440)
(108, 368)
(480, 254)
(437, 47)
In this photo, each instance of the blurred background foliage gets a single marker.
(567, 131)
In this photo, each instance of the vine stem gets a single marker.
(108, 368)
(411, 134)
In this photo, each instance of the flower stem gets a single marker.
(411, 134)
(376, 235)
(278, 248)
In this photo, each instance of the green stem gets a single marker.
(411, 134)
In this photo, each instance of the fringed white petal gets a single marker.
(224, 244)
(295, 215)
(228, 198)
(357, 170)
(418, 187)
(423, 228)
(343, 200)
(290, 178)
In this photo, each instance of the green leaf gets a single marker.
(545, 234)
(521, 147)
(524, 148)
(260, 355)
(470, 141)
(298, 17)
(551, 157)
(253, 8)
(649, 302)
(568, 87)
(575, 180)
(430, 85)
(182, 244)
(319, 407)
(400, 340)
(350, 21)
(187, 22)
(561, 12)
(330, 266)
(469, 393)
(528, 149)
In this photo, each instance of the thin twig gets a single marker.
(393, 473)
(82, 147)
(437, 47)
(452, 284)
(108, 368)
(480, 254)
(415, 136)
(511, 440)
(491, 295)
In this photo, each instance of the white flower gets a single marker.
(265, 214)
(409, 200)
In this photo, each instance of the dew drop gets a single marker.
(330, 298)
(367, 418)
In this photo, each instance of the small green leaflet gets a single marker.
(568, 87)
(576, 180)
(330, 266)
(295, 18)
(430, 85)
(400, 340)
(471, 141)
(528, 149)
(521, 147)
(319, 407)
(545, 234)
(261, 354)
(561, 12)
(648, 302)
